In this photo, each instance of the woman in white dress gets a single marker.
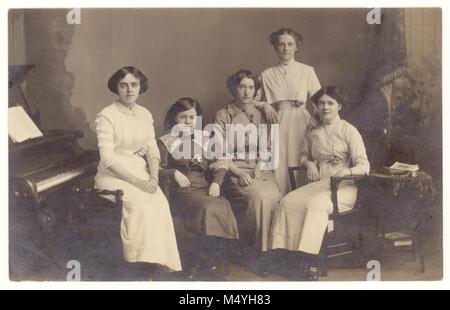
(334, 148)
(129, 160)
(286, 88)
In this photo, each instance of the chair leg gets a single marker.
(359, 249)
(323, 256)
(417, 250)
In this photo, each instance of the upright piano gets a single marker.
(41, 166)
(44, 165)
(52, 198)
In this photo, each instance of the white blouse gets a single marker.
(296, 82)
(338, 146)
(125, 131)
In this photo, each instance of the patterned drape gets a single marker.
(386, 61)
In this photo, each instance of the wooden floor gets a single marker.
(397, 266)
(101, 260)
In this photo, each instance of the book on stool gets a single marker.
(398, 239)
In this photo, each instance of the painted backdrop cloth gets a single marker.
(293, 84)
(147, 232)
(302, 218)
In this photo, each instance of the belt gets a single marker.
(288, 104)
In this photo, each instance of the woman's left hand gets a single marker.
(271, 114)
(214, 190)
(342, 173)
(152, 185)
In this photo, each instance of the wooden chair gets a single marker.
(340, 221)
(91, 205)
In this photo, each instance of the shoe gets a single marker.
(310, 273)
(313, 273)
(262, 271)
(263, 267)
(223, 269)
(159, 274)
(194, 273)
(211, 274)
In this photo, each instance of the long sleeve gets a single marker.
(219, 168)
(166, 171)
(105, 136)
(305, 148)
(358, 153)
(219, 176)
(222, 119)
(152, 148)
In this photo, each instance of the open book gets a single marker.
(401, 168)
(20, 125)
(405, 167)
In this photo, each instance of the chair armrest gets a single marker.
(291, 171)
(337, 180)
(334, 186)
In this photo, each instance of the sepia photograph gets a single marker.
(207, 144)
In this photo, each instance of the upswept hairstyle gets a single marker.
(121, 73)
(334, 92)
(234, 80)
(181, 105)
(275, 35)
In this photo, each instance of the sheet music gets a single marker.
(20, 126)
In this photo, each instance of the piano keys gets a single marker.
(43, 165)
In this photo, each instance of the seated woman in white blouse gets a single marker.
(333, 148)
(129, 160)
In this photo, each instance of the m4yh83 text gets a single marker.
(246, 299)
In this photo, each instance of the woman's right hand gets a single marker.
(181, 179)
(271, 114)
(311, 171)
(245, 179)
(146, 186)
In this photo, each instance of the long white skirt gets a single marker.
(146, 229)
(300, 221)
(292, 131)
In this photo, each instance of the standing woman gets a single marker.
(129, 160)
(334, 148)
(206, 213)
(286, 89)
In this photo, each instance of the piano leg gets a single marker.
(29, 245)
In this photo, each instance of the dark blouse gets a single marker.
(212, 171)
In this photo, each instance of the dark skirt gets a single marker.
(203, 214)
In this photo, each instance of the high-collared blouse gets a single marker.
(125, 131)
(294, 82)
(337, 147)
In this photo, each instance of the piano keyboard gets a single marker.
(61, 177)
